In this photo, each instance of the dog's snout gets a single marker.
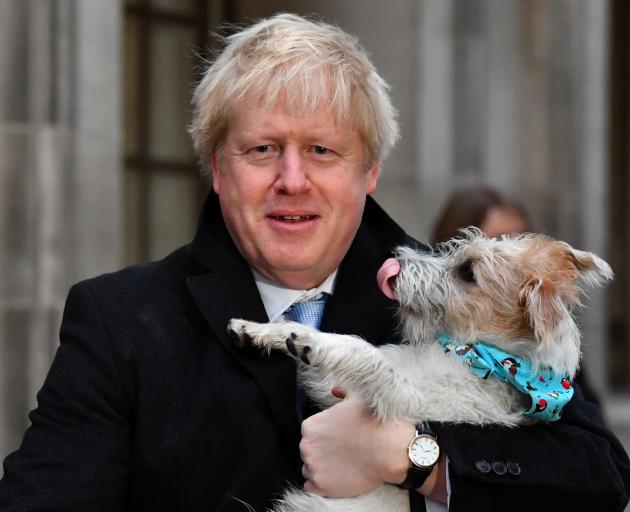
(385, 276)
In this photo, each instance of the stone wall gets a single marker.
(59, 179)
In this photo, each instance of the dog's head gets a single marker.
(518, 293)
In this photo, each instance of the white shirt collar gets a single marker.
(277, 299)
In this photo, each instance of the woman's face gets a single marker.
(503, 221)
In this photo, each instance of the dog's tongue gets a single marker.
(388, 270)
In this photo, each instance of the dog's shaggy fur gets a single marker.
(516, 293)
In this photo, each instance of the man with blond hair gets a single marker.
(149, 405)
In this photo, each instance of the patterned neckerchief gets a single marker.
(549, 393)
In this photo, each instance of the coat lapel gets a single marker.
(222, 296)
(225, 290)
(357, 306)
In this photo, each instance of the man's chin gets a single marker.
(299, 275)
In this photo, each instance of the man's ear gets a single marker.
(373, 174)
(214, 167)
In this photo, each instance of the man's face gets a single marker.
(292, 191)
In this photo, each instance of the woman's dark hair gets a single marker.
(469, 207)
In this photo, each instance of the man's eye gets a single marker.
(264, 148)
(321, 150)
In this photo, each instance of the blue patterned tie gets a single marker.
(308, 313)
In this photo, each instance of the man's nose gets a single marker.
(292, 172)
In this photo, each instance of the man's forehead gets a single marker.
(256, 117)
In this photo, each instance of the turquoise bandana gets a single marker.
(548, 392)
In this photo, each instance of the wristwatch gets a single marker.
(424, 452)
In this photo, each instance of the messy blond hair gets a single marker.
(304, 64)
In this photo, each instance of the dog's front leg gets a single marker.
(306, 344)
(350, 362)
(293, 338)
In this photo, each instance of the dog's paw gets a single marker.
(289, 337)
(298, 347)
(239, 331)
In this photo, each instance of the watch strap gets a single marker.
(417, 475)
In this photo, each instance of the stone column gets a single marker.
(468, 99)
(514, 94)
(435, 71)
(565, 145)
(60, 174)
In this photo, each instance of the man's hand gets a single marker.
(347, 452)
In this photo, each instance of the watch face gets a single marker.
(424, 451)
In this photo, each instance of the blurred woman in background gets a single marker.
(482, 207)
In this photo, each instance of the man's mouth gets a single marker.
(293, 218)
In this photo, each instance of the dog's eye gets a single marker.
(465, 272)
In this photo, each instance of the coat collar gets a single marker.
(357, 306)
(225, 289)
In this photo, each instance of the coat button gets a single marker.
(499, 467)
(514, 468)
(483, 466)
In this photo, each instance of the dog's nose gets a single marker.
(389, 270)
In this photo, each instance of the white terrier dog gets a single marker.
(515, 294)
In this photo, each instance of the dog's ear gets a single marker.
(550, 318)
(543, 306)
(548, 297)
(593, 270)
